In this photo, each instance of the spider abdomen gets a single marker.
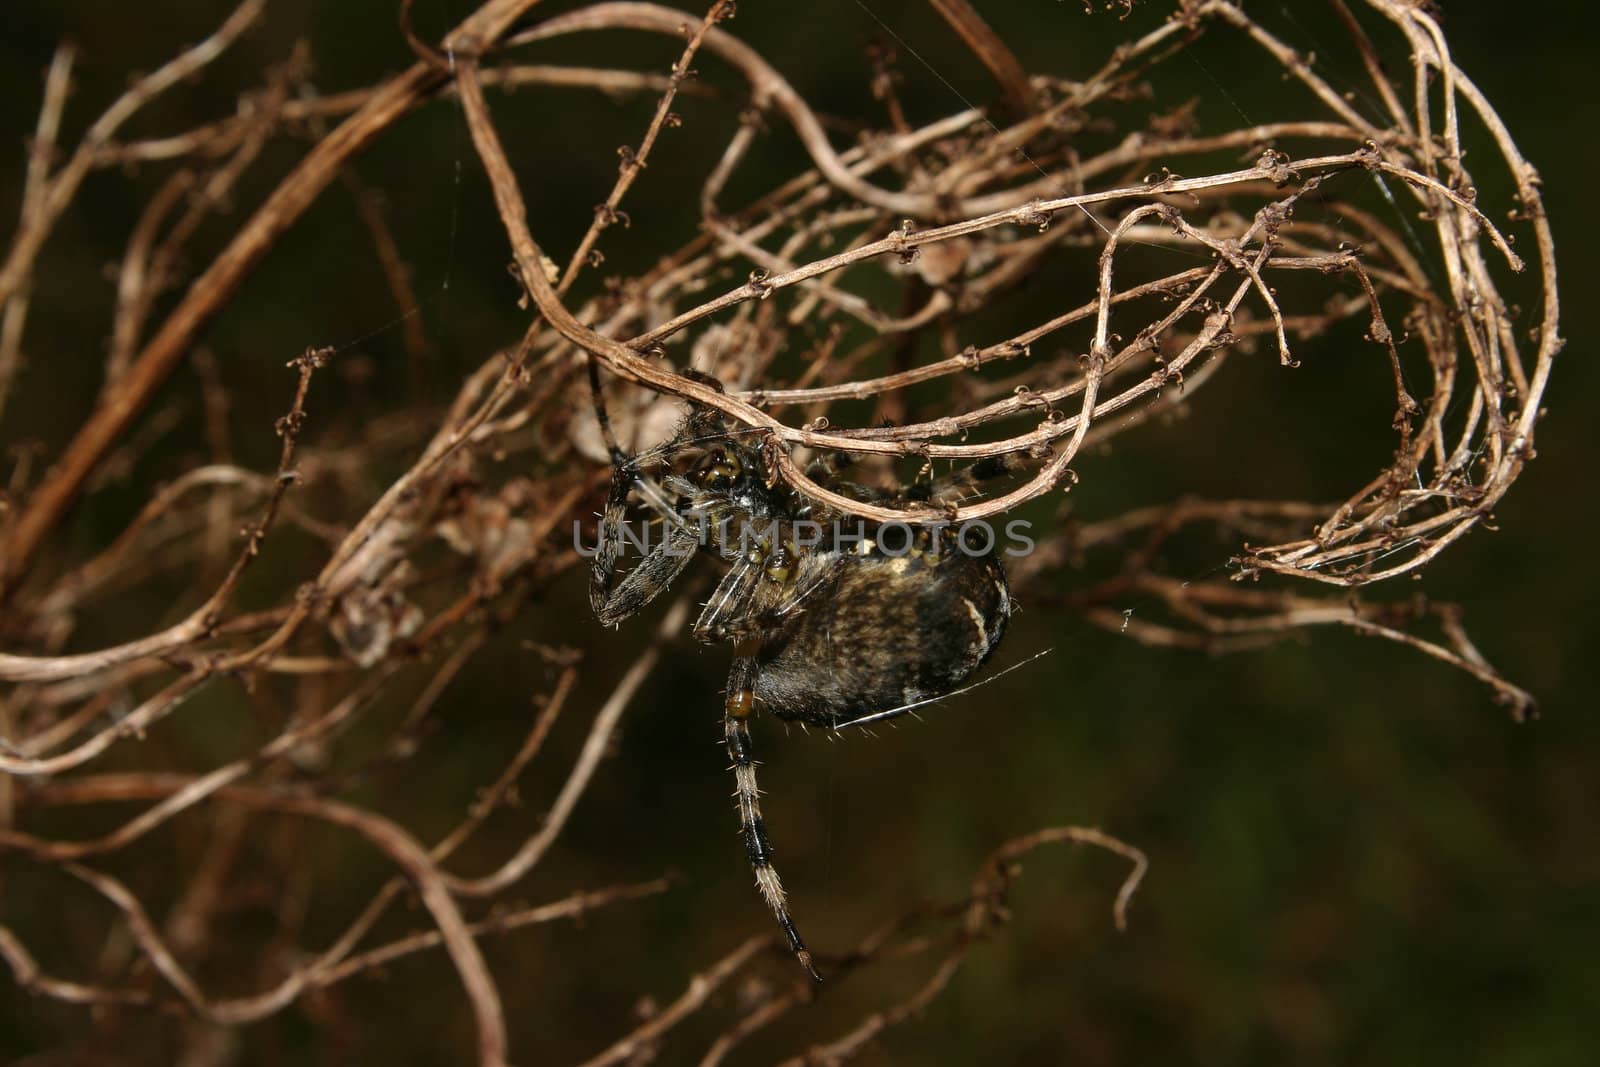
(887, 632)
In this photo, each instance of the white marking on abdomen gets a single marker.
(977, 620)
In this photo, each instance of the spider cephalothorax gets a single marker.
(832, 625)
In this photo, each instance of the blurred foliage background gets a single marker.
(1355, 855)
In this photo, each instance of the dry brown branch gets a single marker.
(34, 208)
(211, 289)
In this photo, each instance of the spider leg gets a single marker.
(796, 596)
(829, 465)
(748, 603)
(725, 615)
(614, 601)
(602, 415)
(699, 427)
(873, 717)
(959, 484)
(737, 708)
(700, 424)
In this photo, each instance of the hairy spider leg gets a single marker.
(699, 422)
(747, 603)
(953, 487)
(736, 711)
(874, 717)
(614, 601)
(829, 465)
(602, 415)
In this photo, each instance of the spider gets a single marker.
(839, 633)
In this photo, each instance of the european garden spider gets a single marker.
(830, 627)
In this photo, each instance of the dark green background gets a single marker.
(1356, 857)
